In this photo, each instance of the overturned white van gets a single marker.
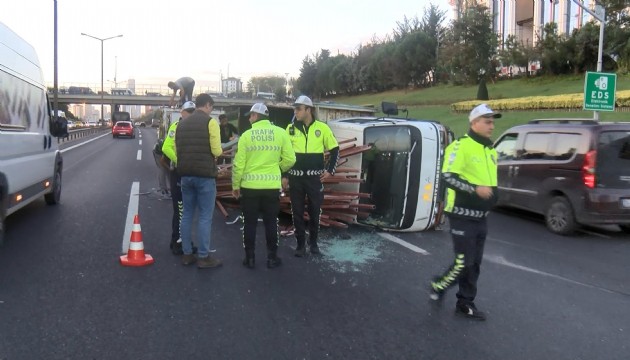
(401, 171)
(30, 163)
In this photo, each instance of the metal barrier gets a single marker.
(81, 133)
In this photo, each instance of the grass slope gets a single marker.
(434, 103)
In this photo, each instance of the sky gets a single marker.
(165, 40)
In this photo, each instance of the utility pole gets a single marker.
(599, 14)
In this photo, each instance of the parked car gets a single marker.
(572, 171)
(123, 128)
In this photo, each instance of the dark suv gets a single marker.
(572, 171)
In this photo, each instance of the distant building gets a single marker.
(526, 19)
(231, 85)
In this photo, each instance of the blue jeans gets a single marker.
(197, 193)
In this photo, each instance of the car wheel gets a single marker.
(54, 197)
(559, 216)
(625, 228)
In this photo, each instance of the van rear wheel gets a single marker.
(625, 228)
(54, 197)
(559, 216)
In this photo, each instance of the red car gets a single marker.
(123, 128)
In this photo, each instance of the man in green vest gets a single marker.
(470, 175)
(311, 138)
(168, 149)
(264, 152)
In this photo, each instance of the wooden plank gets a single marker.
(221, 208)
(360, 195)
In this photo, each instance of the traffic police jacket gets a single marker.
(264, 152)
(168, 147)
(309, 144)
(470, 161)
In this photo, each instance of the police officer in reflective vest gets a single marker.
(310, 138)
(264, 152)
(168, 149)
(470, 175)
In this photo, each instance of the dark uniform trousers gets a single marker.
(469, 238)
(178, 204)
(256, 201)
(312, 188)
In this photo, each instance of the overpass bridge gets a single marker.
(139, 100)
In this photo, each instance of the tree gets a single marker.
(471, 46)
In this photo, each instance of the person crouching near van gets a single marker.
(168, 149)
(470, 175)
(264, 152)
(311, 138)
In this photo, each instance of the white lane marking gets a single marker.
(139, 156)
(500, 260)
(132, 210)
(140, 142)
(409, 246)
(81, 144)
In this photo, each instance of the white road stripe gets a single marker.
(500, 260)
(132, 210)
(139, 156)
(83, 143)
(409, 246)
(140, 142)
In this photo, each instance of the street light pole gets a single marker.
(102, 41)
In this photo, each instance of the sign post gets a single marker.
(599, 91)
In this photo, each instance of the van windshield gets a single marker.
(613, 160)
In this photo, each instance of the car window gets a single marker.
(563, 146)
(613, 159)
(123, 124)
(506, 147)
(535, 146)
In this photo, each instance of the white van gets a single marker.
(401, 171)
(30, 163)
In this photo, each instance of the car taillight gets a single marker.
(588, 169)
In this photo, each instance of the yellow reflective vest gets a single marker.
(470, 161)
(264, 152)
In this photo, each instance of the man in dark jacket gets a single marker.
(198, 144)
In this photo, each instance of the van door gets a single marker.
(529, 170)
(506, 162)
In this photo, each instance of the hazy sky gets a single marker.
(165, 40)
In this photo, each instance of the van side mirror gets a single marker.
(58, 126)
(389, 108)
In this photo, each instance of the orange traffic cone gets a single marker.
(136, 256)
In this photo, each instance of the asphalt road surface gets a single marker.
(64, 295)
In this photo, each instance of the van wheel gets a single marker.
(625, 228)
(53, 197)
(559, 216)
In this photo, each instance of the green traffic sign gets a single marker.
(599, 91)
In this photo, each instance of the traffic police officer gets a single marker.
(470, 175)
(168, 149)
(310, 138)
(264, 152)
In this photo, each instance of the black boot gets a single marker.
(176, 248)
(300, 250)
(314, 248)
(249, 261)
(273, 260)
